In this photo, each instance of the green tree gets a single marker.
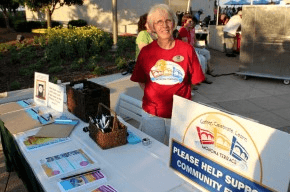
(49, 6)
(8, 6)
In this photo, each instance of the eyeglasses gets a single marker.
(161, 23)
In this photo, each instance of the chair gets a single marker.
(129, 108)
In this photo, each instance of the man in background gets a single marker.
(230, 30)
(197, 15)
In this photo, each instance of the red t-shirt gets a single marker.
(184, 33)
(166, 73)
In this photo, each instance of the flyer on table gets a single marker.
(66, 162)
(82, 181)
(225, 152)
(55, 96)
(32, 142)
(40, 88)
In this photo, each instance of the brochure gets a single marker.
(32, 142)
(66, 162)
(105, 188)
(82, 181)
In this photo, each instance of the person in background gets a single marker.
(145, 35)
(198, 14)
(179, 17)
(206, 21)
(215, 10)
(225, 10)
(187, 34)
(184, 31)
(164, 68)
(229, 12)
(234, 11)
(230, 30)
(223, 19)
(201, 51)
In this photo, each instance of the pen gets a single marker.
(26, 102)
(34, 111)
(80, 174)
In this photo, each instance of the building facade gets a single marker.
(99, 12)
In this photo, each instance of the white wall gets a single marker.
(99, 12)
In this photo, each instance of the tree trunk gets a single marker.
(5, 14)
(48, 18)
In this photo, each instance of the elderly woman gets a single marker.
(164, 68)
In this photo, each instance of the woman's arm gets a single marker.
(141, 45)
(142, 85)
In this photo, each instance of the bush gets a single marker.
(53, 24)
(55, 69)
(75, 65)
(77, 23)
(40, 40)
(15, 85)
(20, 15)
(82, 42)
(34, 24)
(21, 26)
(126, 44)
(26, 72)
(26, 26)
(5, 47)
(120, 62)
(99, 70)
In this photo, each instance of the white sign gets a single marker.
(40, 88)
(224, 152)
(55, 96)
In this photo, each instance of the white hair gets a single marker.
(162, 7)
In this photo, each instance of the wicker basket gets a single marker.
(118, 135)
(84, 103)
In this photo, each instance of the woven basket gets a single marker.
(118, 135)
(84, 103)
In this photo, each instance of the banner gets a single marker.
(225, 152)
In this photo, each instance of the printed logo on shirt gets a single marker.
(166, 73)
(178, 58)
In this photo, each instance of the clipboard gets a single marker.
(19, 121)
(13, 106)
(57, 130)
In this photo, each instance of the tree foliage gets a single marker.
(8, 6)
(49, 6)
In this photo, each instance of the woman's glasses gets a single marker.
(161, 23)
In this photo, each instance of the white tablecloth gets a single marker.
(128, 167)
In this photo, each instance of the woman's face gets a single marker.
(188, 23)
(163, 24)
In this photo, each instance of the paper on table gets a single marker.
(105, 188)
(11, 107)
(56, 130)
(66, 162)
(32, 142)
(82, 181)
(19, 121)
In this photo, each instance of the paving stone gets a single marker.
(15, 184)
(4, 176)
